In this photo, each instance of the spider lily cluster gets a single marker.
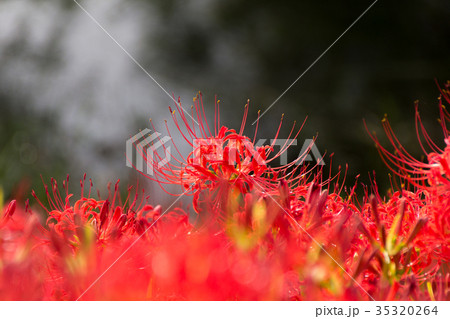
(260, 232)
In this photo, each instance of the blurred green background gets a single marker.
(70, 97)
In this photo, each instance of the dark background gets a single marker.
(60, 114)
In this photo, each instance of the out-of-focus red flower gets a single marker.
(261, 232)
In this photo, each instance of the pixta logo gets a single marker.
(217, 150)
(146, 146)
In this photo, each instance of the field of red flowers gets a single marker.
(292, 232)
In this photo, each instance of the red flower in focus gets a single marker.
(222, 158)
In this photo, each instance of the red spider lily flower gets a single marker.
(285, 233)
(107, 219)
(82, 240)
(169, 261)
(433, 175)
(21, 258)
(412, 230)
(399, 246)
(222, 157)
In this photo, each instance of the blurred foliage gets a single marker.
(30, 148)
